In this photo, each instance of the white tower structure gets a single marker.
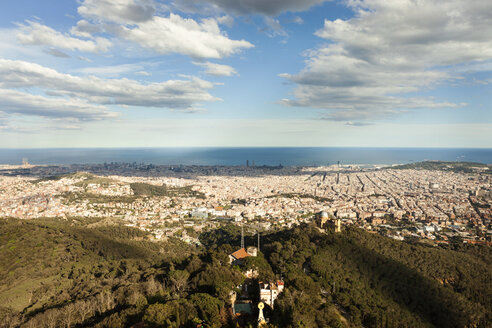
(261, 317)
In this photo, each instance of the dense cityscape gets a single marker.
(184, 201)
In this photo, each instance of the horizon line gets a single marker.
(243, 147)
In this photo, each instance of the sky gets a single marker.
(234, 73)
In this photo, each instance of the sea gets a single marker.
(270, 156)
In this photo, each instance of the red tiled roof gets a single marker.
(240, 254)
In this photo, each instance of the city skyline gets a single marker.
(144, 73)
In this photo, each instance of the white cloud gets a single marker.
(358, 124)
(273, 27)
(171, 94)
(56, 53)
(120, 11)
(37, 34)
(109, 71)
(163, 35)
(175, 34)
(10, 47)
(143, 73)
(226, 20)
(84, 59)
(17, 102)
(85, 29)
(242, 7)
(297, 20)
(217, 69)
(389, 49)
(424, 33)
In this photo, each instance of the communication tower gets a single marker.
(242, 236)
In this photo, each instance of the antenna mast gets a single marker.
(242, 236)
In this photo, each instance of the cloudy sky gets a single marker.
(157, 73)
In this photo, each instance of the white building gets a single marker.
(269, 291)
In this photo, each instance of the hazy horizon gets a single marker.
(272, 156)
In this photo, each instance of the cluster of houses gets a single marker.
(268, 291)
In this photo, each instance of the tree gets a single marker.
(52, 318)
(10, 320)
(85, 309)
(69, 313)
(208, 308)
(157, 314)
(171, 314)
(179, 280)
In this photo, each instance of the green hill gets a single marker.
(379, 282)
(96, 273)
(48, 263)
(145, 189)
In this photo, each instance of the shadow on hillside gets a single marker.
(410, 289)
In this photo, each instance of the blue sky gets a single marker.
(149, 73)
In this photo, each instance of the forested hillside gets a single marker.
(96, 273)
(90, 273)
(379, 282)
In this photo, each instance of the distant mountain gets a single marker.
(458, 167)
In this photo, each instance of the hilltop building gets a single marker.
(252, 251)
(322, 218)
(236, 257)
(324, 221)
